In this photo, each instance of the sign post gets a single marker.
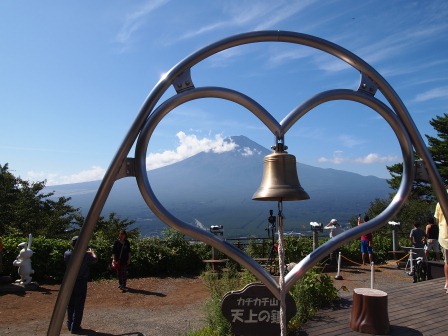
(255, 310)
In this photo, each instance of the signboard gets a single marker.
(255, 310)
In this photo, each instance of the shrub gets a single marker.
(311, 293)
(170, 255)
(258, 248)
(218, 284)
(296, 248)
(381, 246)
(47, 259)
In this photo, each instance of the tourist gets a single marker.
(121, 255)
(417, 236)
(334, 227)
(366, 242)
(432, 241)
(75, 308)
(443, 237)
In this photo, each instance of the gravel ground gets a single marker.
(153, 306)
(385, 277)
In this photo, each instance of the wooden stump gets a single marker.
(369, 312)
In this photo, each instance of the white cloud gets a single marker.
(203, 30)
(337, 158)
(246, 151)
(282, 57)
(349, 140)
(282, 12)
(372, 158)
(376, 158)
(221, 59)
(93, 174)
(382, 51)
(189, 145)
(258, 15)
(135, 20)
(441, 92)
(238, 14)
(330, 64)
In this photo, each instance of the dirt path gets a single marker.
(152, 306)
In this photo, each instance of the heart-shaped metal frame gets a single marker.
(179, 76)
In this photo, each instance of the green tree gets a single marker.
(420, 189)
(421, 202)
(438, 147)
(26, 209)
(108, 229)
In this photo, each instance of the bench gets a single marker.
(271, 265)
(216, 264)
(262, 261)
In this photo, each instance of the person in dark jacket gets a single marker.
(432, 238)
(417, 236)
(75, 308)
(121, 254)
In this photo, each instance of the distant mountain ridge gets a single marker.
(216, 189)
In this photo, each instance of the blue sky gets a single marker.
(73, 76)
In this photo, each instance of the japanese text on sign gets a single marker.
(254, 310)
(251, 316)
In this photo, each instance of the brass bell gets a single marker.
(280, 181)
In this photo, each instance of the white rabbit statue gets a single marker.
(23, 262)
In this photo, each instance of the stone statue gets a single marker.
(23, 262)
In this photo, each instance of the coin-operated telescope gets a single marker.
(315, 228)
(217, 230)
(395, 226)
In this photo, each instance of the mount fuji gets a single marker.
(216, 189)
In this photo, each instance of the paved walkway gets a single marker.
(413, 308)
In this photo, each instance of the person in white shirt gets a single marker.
(334, 227)
(443, 237)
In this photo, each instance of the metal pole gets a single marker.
(338, 275)
(281, 267)
(315, 239)
(394, 239)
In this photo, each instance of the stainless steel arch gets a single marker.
(399, 119)
(151, 199)
(396, 203)
(280, 130)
